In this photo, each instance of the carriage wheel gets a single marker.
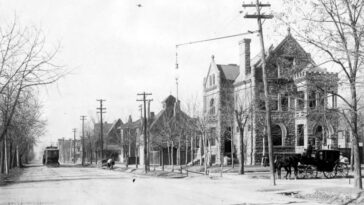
(301, 173)
(310, 172)
(342, 169)
(329, 175)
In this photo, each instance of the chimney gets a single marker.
(244, 46)
(152, 115)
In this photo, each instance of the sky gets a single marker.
(115, 49)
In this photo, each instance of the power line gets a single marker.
(217, 38)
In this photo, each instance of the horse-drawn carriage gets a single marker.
(305, 166)
(325, 161)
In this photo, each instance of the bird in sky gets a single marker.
(133, 180)
(139, 5)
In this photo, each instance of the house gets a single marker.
(112, 140)
(97, 139)
(302, 99)
(172, 131)
(130, 141)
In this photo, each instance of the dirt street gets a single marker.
(77, 185)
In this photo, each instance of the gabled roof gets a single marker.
(230, 72)
(115, 125)
(256, 60)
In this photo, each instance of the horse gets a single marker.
(287, 162)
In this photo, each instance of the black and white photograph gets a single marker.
(167, 102)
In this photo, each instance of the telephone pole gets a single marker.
(74, 145)
(146, 155)
(259, 16)
(101, 111)
(83, 117)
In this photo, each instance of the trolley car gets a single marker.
(51, 156)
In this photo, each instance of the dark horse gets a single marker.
(287, 162)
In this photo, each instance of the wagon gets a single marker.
(325, 161)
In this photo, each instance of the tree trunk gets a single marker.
(6, 156)
(205, 154)
(137, 156)
(10, 161)
(172, 156)
(354, 122)
(2, 165)
(179, 155)
(241, 145)
(17, 156)
(162, 160)
(186, 151)
(352, 154)
(191, 150)
(232, 151)
(168, 153)
(209, 158)
(201, 149)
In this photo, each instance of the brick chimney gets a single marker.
(244, 56)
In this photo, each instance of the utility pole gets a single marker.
(83, 117)
(259, 16)
(101, 111)
(146, 156)
(74, 145)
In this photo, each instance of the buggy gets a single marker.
(325, 161)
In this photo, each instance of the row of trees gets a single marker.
(26, 63)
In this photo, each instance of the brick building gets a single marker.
(301, 96)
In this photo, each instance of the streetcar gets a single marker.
(51, 156)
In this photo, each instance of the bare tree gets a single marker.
(25, 63)
(241, 115)
(335, 29)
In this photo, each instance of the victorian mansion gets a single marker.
(302, 99)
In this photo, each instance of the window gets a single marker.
(300, 100)
(210, 80)
(277, 135)
(213, 79)
(213, 159)
(284, 102)
(292, 103)
(261, 101)
(274, 103)
(212, 136)
(300, 135)
(321, 97)
(312, 100)
(212, 106)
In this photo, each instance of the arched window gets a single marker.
(212, 106)
(277, 135)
